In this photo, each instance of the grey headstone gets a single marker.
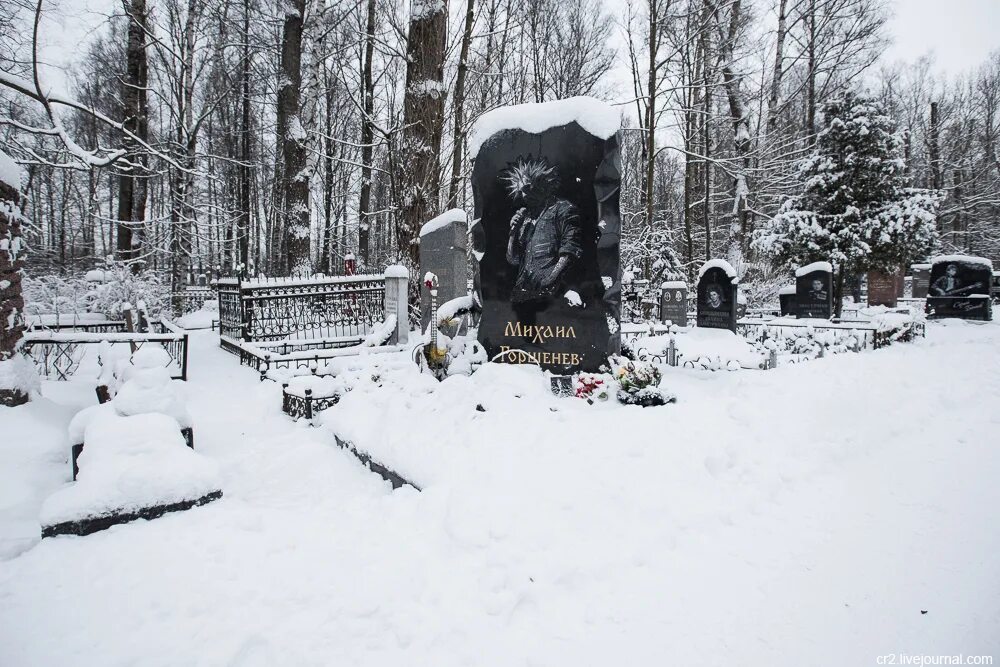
(443, 243)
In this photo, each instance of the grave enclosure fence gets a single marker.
(290, 322)
(57, 350)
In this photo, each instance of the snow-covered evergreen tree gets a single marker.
(855, 210)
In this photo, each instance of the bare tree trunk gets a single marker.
(367, 137)
(650, 148)
(934, 148)
(295, 209)
(811, 75)
(423, 118)
(132, 189)
(12, 256)
(738, 230)
(463, 68)
(779, 69)
(246, 174)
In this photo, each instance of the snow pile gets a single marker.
(963, 259)
(718, 264)
(149, 389)
(715, 349)
(815, 266)
(97, 276)
(19, 374)
(787, 289)
(396, 271)
(381, 332)
(10, 172)
(203, 318)
(128, 464)
(596, 117)
(759, 521)
(443, 220)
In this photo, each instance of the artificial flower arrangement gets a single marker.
(638, 383)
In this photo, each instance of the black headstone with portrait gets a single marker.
(717, 295)
(960, 287)
(545, 233)
(814, 291)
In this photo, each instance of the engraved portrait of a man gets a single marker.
(545, 234)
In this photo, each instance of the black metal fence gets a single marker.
(307, 405)
(58, 350)
(302, 314)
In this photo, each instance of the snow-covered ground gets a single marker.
(806, 515)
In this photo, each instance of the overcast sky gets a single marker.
(959, 33)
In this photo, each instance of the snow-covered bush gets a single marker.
(855, 210)
(122, 286)
(117, 285)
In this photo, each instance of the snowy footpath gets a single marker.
(828, 513)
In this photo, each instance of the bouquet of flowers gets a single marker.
(638, 383)
(592, 386)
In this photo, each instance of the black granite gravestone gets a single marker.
(546, 241)
(717, 296)
(786, 300)
(921, 282)
(673, 302)
(814, 291)
(960, 287)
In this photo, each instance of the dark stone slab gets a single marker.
(673, 303)
(382, 471)
(814, 294)
(960, 289)
(883, 288)
(786, 301)
(538, 198)
(921, 280)
(103, 521)
(717, 295)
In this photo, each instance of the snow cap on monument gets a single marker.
(594, 116)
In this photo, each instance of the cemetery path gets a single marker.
(802, 516)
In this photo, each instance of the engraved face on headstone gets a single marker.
(814, 292)
(717, 298)
(546, 245)
(960, 288)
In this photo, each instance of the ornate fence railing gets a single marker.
(192, 297)
(300, 314)
(58, 353)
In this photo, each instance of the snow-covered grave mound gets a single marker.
(135, 467)
(132, 457)
(705, 348)
(203, 318)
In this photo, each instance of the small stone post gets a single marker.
(397, 280)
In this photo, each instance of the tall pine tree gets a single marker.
(855, 209)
